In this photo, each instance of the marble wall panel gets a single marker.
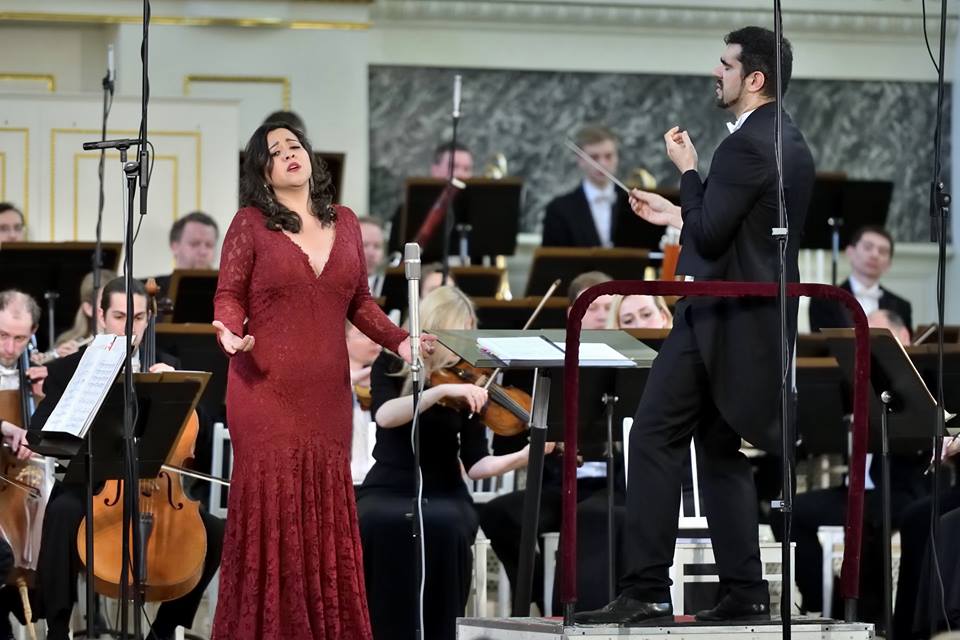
(870, 130)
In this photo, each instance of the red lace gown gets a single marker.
(292, 565)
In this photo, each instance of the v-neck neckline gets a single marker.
(306, 256)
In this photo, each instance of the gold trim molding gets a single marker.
(182, 21)
(283, 81)
(47, 78)
(196, 135)
(26, 170)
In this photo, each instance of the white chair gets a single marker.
(218, 468)
(690, 551)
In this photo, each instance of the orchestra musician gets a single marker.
(59, 563)
(12, 224)
(193, 243)
(362, 352)
(371, 231)
(84, 324)
(19, 318)
(453, 439)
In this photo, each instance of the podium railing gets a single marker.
(853, 529)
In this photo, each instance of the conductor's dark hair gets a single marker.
(8, 206)
(759, 53)
(287, 116)
(448, 147)
(255, 192)
(176, 230)
(119, 285)
(871, 228)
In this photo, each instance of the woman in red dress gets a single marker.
(291, 272)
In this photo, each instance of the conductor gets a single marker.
(717, 377)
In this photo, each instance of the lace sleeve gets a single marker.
(236, 264)
(364, 312)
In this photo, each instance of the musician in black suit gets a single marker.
(870, 253)
(717, 376)
(193, 243)
(585, 217)
(58, 562)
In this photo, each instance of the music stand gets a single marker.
(821, 407)
(38, 267)
(475, 281)
(489, 207)
(197, 348)
(464, 344)
(192, 291)
(905, 409)
(566, 263)
(838, 207)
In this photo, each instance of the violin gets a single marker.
(25, 487)
(174, 542)
(507, 411)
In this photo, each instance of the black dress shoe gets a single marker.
(731, 609)
(625, 610)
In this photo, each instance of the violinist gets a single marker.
(19, 318)
(362, 352)
(451, 441)
(58, 562)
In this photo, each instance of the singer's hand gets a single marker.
(427, 346)
(231, 342)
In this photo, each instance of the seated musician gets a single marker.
(371, 232)
(585, 216)
(19, 318)
(83, 328)
(439, 168)
(431, 277)
(639, 312)
(870, 253)
(58, 562)
(193, 243)
(362, 352)
(451, 441)
(501, 518)
(12, 224)
(823, 507)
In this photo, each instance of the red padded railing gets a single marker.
(850, 573)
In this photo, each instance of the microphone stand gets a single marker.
(449, 221)
(108, 89)
(939, 213)
(781, 234)
(411, 258)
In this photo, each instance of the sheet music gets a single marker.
(88, 387)
(522, 349)
(600, 354)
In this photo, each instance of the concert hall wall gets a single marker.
(868, 129)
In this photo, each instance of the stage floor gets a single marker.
(553, 629)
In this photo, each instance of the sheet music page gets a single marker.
(519, 349)
(88, 387)
(600, 354)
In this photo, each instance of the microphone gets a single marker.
(411, 266)
(457, 81)
(122, 143)
(111, 77)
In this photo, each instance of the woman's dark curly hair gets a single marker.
(255, 192)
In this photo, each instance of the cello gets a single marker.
(173, 538)
(25, 487)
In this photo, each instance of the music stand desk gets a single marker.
(192, 291)
(566, 263)
(464, 344)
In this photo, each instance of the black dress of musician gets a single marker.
(717, 376)
(59, 563)
(449, 438)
